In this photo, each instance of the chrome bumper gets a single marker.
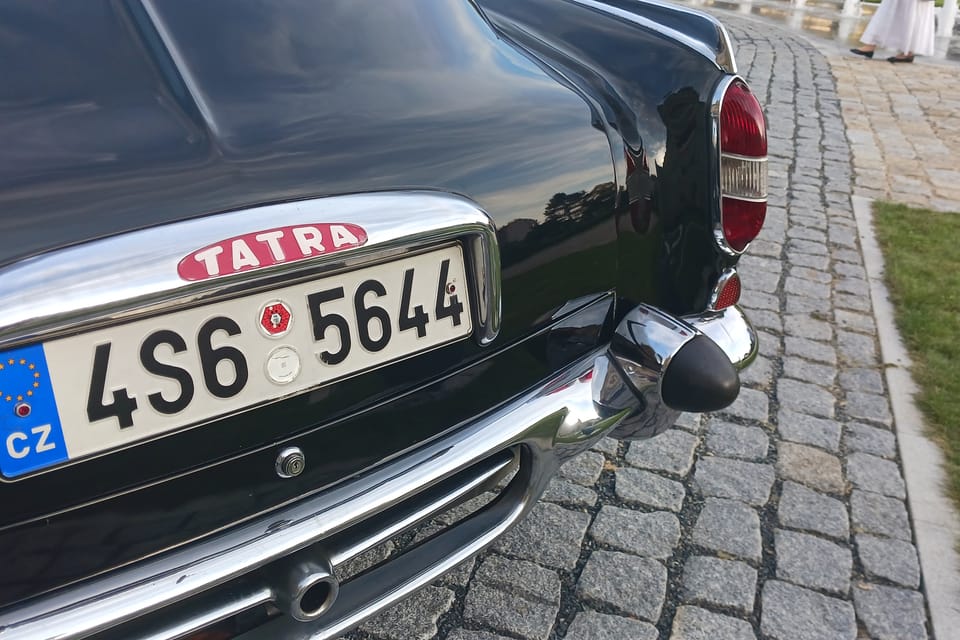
(252, 564)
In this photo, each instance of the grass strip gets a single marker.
(921, 250)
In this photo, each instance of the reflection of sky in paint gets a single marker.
(416, 94)
(469, 112)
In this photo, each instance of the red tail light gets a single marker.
(743, 167)
(727, 292)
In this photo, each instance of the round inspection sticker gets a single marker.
(283, 365)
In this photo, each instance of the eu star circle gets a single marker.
(275, 319)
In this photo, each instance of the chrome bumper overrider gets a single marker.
(269, 559)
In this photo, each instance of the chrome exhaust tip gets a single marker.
(305, 589)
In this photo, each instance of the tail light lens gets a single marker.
(743, 167)
(727, 292)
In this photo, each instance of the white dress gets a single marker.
(902, 25)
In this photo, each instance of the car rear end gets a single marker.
(281, 291)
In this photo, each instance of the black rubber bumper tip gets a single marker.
(700, 378)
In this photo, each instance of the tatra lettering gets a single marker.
(243, 256)
(342, 236)
(209, 259)
(309, 240)
(272, 238)
(12, 449)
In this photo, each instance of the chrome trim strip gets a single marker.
(725, 58)
(628, 16)
(133, 275)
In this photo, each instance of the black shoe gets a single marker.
(865, 54)
(900, 59)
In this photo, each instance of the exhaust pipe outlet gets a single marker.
(305, 588)
(666, 366)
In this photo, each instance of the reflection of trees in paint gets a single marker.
(565, 215)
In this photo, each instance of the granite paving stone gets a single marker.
(806, 429)
(800, 369)
(650, 489)
(550, 535)
(607, 446)
(859, 379)
(414, 618)
(805, 397)
(748, 482)
(590, 625)
(874, 513)
(467, 634)
(728, 527)
(736, 441)
(806, 326)
(809, 561)
(875, 474)
(523, 578)
(868, 406)
(692, 422)
(670, 452)
(583, 469)
(810, 349)
(652, 535)
(758, 374)
(789, 612)
(894, 560)
(751, 404)
(507, 612)
(890, 613)
(868, 439)
(805, 509)
(855, 321)
(694, 623)
(720, 583)
(812, 467)
(564, 492)
(627, 584)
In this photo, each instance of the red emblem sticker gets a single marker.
(275, 318)
(269, 247)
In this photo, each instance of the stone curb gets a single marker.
(936, 521)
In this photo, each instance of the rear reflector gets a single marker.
(727, 292)
(743, 167)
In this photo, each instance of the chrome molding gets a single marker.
(725, 58)
(691, 43)
(133, 275)
(722, 55)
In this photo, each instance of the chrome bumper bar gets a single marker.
(229, 573)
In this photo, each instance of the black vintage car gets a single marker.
(283, 280)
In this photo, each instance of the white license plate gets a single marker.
(77, 396)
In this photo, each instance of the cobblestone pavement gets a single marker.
(903, 122)
(782, 517)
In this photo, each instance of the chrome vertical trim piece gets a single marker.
(134, 275)
(716, 102)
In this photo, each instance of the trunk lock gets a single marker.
(290, 462)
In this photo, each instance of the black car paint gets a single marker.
(105, 129)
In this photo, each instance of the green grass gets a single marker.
(922, 259)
